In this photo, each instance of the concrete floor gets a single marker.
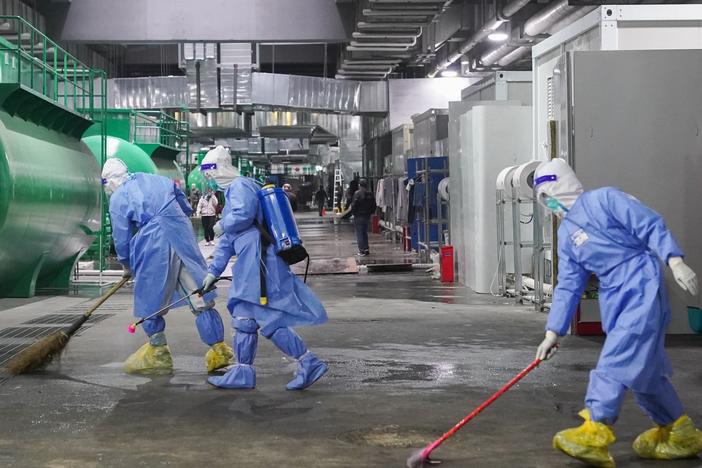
(408, 358)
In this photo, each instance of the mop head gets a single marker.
(419, 460)
(39, 354)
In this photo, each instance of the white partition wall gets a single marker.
(457, 189)
(492, 138)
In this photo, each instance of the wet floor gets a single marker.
(408, 358)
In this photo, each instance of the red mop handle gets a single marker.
(430, 448)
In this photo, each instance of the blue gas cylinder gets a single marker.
(280, 224)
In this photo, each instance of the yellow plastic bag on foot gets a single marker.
(677, 440)
(588, 443)
(150, 360)
(219, 355)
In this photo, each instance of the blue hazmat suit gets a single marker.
(613, 235)
(290, 302)
(153, 237)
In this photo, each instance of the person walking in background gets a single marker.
(194, 197)
(362, 207)
(353, 187)
(291, 196)
(207, 210)
(320, 198)
(339, 194)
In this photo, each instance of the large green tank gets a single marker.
(195, 177)
(134, 157)
(50, 196)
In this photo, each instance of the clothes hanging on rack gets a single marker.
(402, 195)
(410, 201)
(380, 194)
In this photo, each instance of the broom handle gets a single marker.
(106, 296)
(430, 448)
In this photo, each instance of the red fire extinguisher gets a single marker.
(447, 264)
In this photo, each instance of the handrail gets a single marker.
(171, 131)
(42, 65)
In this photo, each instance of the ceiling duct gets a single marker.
(388, 29)
(217, 124)
(481, 34)
(267, 90)
(550, 20)
(547, 17)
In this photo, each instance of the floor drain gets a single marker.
(28, 332)
(66, 318)
(392, 436)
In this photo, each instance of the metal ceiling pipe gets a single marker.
(547, 17)
(376, 49)
(372, 62)
(369, 12)
(520, 52)
(494, 55)
(364, 67)
(364, 72)
(362, 35)
(405, 45)
(480, 35)
(391, 26)
(513, 56)
(573, 17)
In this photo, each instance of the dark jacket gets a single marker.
(320, 196)
(293, 200)
(362, 204)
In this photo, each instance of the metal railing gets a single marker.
(154, 127)
(28, 57)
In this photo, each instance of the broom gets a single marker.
(43, 351)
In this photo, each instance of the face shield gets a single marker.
(217, 168)
(557, 188)
(114, 174)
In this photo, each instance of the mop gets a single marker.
(43, 351)
(420, 459)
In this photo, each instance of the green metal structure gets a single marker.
(50, 193)
(160, 135)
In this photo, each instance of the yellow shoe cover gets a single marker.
(150, 360)
(220, 355)
(677, 440)
(587, 443)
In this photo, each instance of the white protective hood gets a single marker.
(217, 166)
(556, 179)
(114, 174)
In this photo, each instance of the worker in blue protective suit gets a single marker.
(611, 234)
(154, 241)
(288, 301)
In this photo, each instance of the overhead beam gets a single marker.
(138, 21)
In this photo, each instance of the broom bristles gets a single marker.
(38, 354)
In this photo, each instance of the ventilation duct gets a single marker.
(267, 90)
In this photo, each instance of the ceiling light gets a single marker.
(498, 36)
(449, 73)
